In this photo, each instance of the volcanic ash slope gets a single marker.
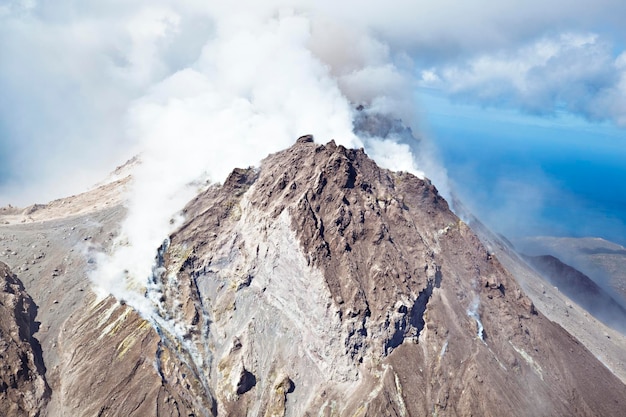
(320, 284)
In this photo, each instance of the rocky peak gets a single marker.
(353, 223)
(369, 123)
(367, 292)
(314, 284)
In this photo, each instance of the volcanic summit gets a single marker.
(314, 284)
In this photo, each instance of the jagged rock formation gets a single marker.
(315, 284)
(369, 294)
(23, 387)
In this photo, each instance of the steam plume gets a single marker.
(260, 82)
(472, 311)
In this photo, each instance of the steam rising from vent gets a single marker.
(472, 311)
(261, 81)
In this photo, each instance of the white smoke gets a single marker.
(69, 69)
(261, 81)
(472, 312)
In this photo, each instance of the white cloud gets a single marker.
(575, 72)
(430, 78)
(69, 70)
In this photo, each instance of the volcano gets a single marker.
(314, 284)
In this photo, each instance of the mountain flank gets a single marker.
(364, 289)
(582, 289)
(314, 284)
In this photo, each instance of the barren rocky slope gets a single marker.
(316, 284)
(99, 355)
(582, 289)
(601, 260)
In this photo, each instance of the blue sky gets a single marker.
(525, 100)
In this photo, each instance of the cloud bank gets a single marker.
(70, 71)
(575, 72)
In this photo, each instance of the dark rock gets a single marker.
(246, 381)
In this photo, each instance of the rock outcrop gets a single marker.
(23, 387)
